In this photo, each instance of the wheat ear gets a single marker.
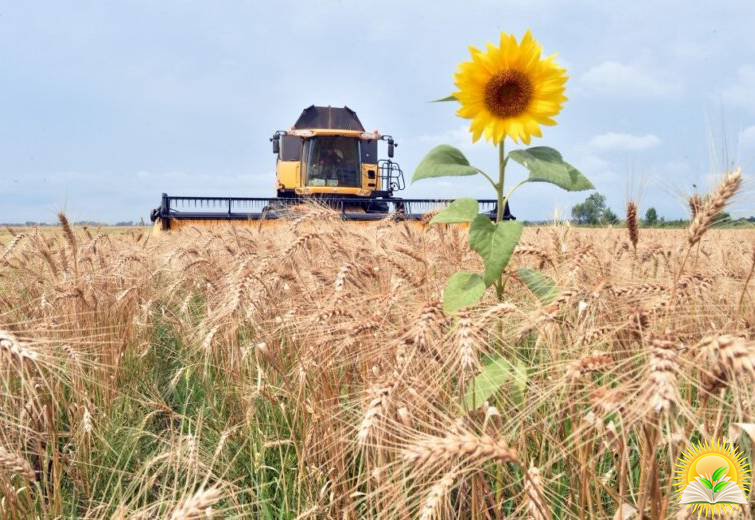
(199, 505)
(431, 507)
(468, 447)
(714, 204)
(14, 464)
(534, 491)
(632, 227)
(663, 393)
(695, 204)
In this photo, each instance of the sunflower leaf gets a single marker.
(460, 210)
(443, 161)
(720, 486)
(463, 290)
(498, 372)
(447, 98)
(718, 473)
(541, 285)
(495, 243)
(545, 164)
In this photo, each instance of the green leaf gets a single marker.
(460, 210)
(545, 164)
(720, 486)
(443, 161)
(493, 376)
(520, 382)
(719, 473)
(494, 243)
(463, 290)
(706, 483)
(541, 285)
(447, 98)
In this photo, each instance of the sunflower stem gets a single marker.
(501, 177)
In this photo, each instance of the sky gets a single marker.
(104, 105)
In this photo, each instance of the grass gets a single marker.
(310, 372)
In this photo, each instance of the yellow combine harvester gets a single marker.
(326, 157)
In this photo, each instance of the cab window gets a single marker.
(333, 161)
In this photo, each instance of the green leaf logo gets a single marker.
(719, 473)
(719, 486)
(706, 483)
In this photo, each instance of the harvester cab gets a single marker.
(327, 154)
(326, 157)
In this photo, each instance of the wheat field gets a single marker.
(311, 372)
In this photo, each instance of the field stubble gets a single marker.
(311, 372)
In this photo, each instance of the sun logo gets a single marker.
(712, 478)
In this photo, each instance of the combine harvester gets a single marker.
(326, 158)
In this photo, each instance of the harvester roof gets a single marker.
(328, 118)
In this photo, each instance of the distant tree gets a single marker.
(651, 217)
(721, 218)
(591, 210)
(609, 217)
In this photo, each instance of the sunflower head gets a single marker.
(509, 90)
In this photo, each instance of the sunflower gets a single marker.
(509, 90)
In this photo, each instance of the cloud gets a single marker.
(459, 137)
(747, 138)
(614, 78)
(613, 141)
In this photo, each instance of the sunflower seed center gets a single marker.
(508, 93)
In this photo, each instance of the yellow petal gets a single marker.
(546, 79)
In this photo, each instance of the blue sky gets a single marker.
(104, 105)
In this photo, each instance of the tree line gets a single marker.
(594, 212)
